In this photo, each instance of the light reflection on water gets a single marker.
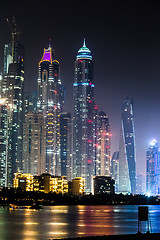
(71, 221)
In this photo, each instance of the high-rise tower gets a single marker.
(50, 103)
(83, 117)
(153, 169)
(127, 158)
(66, 145)
(104, 144)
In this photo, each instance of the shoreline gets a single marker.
(137, 236)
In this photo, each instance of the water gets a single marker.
(72, 221)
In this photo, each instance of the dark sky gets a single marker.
(124, 37)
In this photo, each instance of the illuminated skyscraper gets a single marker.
(115, 168)
(83, 117)
(66, 145)
(50, 103)
(12, 91)
(5, 164)
(104, 144)
(153, 169)
(127, 158)
(34, 141)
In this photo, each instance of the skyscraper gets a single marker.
(127, 158)
(34, 141)
(104, 144)
(50, 103)
(83, 117)
(153, 169)
(115, 168)
(5, 164)
(12, 91)
(66, 145)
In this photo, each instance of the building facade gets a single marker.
(104, 145)
(34, 140)
(103, 185)
(42, 183)
(115, 169)
(83, 117)
(12, 90)
(66, 149)
(50, 103)
(127, 158)
(153, 169)
(5, 144)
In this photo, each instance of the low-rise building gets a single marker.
(77, 186)
(43, 183)
(103, 185)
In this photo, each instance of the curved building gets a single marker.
(127, 158)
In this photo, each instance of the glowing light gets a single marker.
(47, 55)
(153, 142)
(148, 194)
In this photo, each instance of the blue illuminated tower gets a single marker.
(83, 117)
(127, 158)
(153, 169)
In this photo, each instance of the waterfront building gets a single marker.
(34, 140)
(104, 144)
(83, 117)
(103, 185)
(50, 103)
(153, 169)
(77, 186)
(43, 183)
(23, 181)
(115, 168)
(127, 158)
(66, 141)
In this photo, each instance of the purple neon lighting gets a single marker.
(47, 56)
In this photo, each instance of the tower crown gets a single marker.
(84, 52)
(47, 55)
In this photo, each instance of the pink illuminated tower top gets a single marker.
(47, 55)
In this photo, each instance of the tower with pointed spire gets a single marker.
(50, 102)
(83, 117)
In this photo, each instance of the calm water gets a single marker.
(70, 221)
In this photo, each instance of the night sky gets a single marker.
(124, 37)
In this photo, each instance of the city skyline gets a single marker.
(130, 67)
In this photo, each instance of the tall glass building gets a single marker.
(127, 158)
(83, 117)
(34, 141)
(104, 145)
(50, 102)
(13, 92)
(5, 164)
(66, 145)
(153, 169)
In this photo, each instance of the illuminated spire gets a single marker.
(84, 43)
(84, 52)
